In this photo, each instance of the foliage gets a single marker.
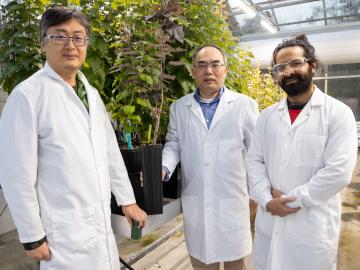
(18, 31)
(139, 56)
(154, 47)
(20, 50)
(262, 88)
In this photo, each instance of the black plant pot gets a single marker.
(148, 160)
(153, 186)
(132, 160)
(172, 188)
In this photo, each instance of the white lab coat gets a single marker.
(214, 196)
(312, 159)
(58, 164)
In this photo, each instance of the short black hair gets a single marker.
(297, 40)
(195, 53)
(59, 15)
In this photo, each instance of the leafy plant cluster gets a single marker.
(139, 57)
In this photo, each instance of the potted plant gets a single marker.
(141, 81)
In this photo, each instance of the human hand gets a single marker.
(252, 206)
(276, 193)
(133, 211)
(163, 174)
(40, 253)
(278, 207)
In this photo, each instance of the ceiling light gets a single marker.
(268, 26)
(246, 8)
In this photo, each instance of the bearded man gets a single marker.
(301, 156)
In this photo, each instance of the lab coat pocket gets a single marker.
(233, 215)
(190, 207)
(310, 150)
(74, 230)
(307, 227)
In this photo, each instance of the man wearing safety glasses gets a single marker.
(302, 155)
(60, 159)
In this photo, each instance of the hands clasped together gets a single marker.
(278, 205)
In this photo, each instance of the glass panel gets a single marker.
(343, 69)
(301, 12)
(340, 7)
(302, 25)
(347, 91)
(248, 25)
(320, 84)
(344, 20)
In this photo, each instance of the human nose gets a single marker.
(70, 44)
(208, 69)
(287, 71)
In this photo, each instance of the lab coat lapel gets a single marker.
(195, 108)
(317, 99)
(69, 91)
(284, 113)
(222, 108)
(302, 117)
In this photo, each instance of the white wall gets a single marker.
(341, 47)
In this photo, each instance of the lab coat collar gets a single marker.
(317, 99)
(91, 99)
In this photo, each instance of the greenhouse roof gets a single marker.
(259, 19)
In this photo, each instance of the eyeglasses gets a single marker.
(294, 64)
(213, 65)
(78, 40)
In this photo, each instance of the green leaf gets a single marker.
(143, 102)
(128, 109)
(146, 78)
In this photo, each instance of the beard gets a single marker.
(300, 86)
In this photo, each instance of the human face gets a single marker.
(209, 71)
(294, 80)
(65, 59)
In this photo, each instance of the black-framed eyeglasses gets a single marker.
(215, 65)
(294, 64)
(79, 40)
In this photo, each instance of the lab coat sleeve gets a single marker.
(171, 151)
(259, 184)
(119, 179)
(339, 158)
(250, 122)
(18, 165)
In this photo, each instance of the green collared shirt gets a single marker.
(81, 92)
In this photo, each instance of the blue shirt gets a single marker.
(208, 107)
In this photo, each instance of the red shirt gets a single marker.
(294, 114)
(294, 110)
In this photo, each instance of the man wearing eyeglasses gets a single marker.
(60, 159)
(209, 133)
(302, 155)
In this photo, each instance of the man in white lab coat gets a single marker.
(209, 133)
(59, 157)
(302, 155)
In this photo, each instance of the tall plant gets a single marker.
(154, 47)
(19, 30)
(20, 52)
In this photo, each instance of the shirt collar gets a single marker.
(216, 99)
